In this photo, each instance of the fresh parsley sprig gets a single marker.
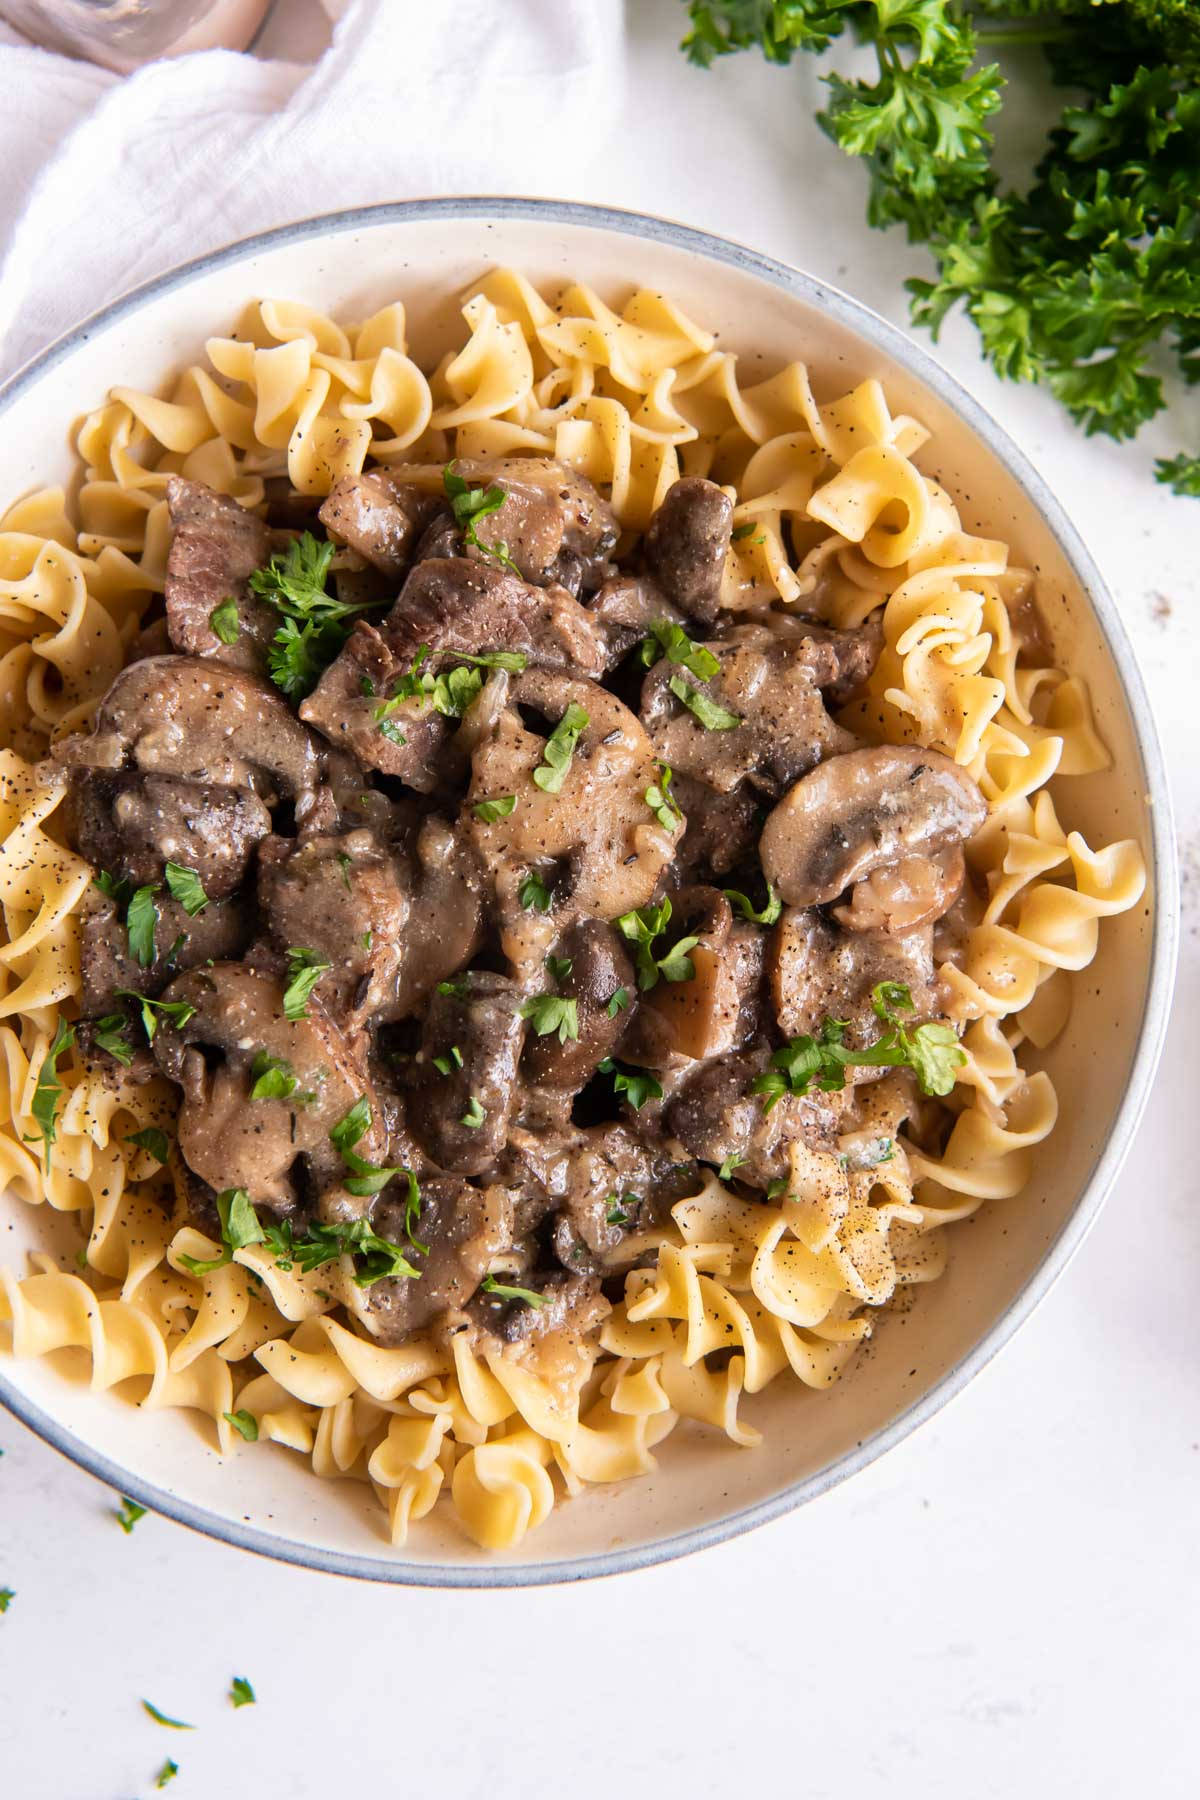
(643, 928)
(550, 1013)
(559, 749)
(503, 1291)
(672, 641)
(637, 1085)
(471, 504)
(47, 1088)
(315, 624)
(305, 969)
(931, 1051)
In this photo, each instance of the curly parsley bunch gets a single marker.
(1089, 280)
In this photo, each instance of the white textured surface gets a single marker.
(1005, 1605)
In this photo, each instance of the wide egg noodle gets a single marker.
(842, 522)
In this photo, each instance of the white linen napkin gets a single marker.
(110, 180)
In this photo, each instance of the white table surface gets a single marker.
(1007, 1604)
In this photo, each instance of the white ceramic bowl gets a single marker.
(1006, 1259)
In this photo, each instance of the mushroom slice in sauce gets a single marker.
(601, 982)
(465, 1084)
(687, 543)
(861, 811)
(279, 1150)
(917, 890)
(715, 1010)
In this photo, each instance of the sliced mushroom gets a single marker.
(714, 1011)
(464, 1086)
(444, 926)
(687, 543)
(766, 685)
(601, 847)
(134, 824)
(858, 812)
(600, 974)
(915, 891)
(279, 1150)
(197, 720)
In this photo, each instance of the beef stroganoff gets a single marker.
(526, 884)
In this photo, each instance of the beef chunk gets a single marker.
(222, 931)
(215, 548)
(133, 825)
(460, 1113)
(380, 516)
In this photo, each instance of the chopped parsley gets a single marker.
(445, 1065)
(503, 1291)
(365, 1178)
(7, 1596)
(550, 1013)
(175, 1012)
(108, 1034)
(151, 1139)
(454, 689)
(129, 1514)
(618, 1002)
(636, 1085)
(224, 621)
(241, 1693)
(560, 966)
(560, 748)
(377, 1259)
(345, 864)
(392, 732)
(160, 1718)
(469, 505)
(305, 969)
(474, 1116)
(931, 1051)
(273, 1078)
(703, 706)
(117, 889)
(617, 1205)
(533, 893)
(185, 886)
(491, 810)
(44, 1105)
(672, 641)
(141, 919)
(168, 1772)
(733, 1161)
(642, 928)
(454, 988)
(240, 1227)
(245, 1424)
(315, 624)
(742, 531)
(661, 800)
(769, 913)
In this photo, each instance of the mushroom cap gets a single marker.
(861, 811)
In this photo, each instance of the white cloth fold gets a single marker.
(109, 181)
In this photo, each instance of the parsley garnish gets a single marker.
(365, 1178)
(378, 1259)
(129, 1514)
(454, 689)
(642, 928)
(240, 1227)
(116, 889)
(176, 1012)
(560, 748)
(152, 1139)
(345, 864)
(241, 1693)
(452, 1060)
(636, 1085)
(7, 1596)
(932, 1052)
(48, 1087)
(305, 969)
(160, 1718)
(616, 1214)
(502, 1291)
(491, 810)
(533, 893)
(703, 706)
(469, 505)
(769, 913)
(673, 642)
(474, 1116)
(742, 531)
(109, 1034)
(245, 1424)
(315, 624)
(550, 1013)
(454, 988)
(185, 886)
(224, 621)
(733, 1161)
(661, 800)
(618, 1002)
(168, 1772)
(560, 966)
(141, 918)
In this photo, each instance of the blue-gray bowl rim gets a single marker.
(1164, 879)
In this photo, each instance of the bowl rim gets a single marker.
(1164, 887)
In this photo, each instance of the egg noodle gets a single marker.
(842, 522)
